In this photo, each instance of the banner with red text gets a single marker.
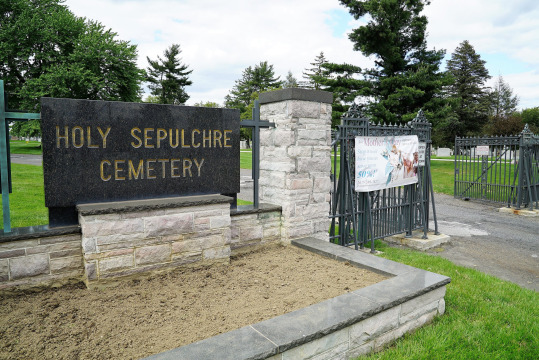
(385, 162)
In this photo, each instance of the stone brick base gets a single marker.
(38, 256)
(126, 238)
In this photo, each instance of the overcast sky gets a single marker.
(219, 39)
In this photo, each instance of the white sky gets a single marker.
(219, 39)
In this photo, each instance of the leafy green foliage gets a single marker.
(208, 104)
(45, 50)
(531, 117)
(168, 77)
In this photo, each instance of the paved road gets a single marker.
(503, 245)
(26, 159)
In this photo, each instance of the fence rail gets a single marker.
(360, 217)
(498, 169)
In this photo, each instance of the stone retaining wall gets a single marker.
(254, 227)
(127, 238)
(40, 257)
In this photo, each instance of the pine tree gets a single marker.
(290, 81)
(469, 92)
(168, 77)
(253, 80)
(314, 75)
(503, 102)
(406, 76)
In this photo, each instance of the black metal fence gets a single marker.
(498, 169)
(360, 217)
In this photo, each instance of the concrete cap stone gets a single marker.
(296, 94)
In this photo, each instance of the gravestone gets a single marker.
(443, 152)
(100, 151)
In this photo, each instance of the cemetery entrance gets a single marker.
(498, 169)
(362, 216)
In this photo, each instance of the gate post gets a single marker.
(295, 159)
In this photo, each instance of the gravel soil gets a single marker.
(137, 318)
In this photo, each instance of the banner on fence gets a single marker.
(385, 162)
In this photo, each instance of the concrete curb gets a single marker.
(325, 327)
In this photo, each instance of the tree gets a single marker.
(503, 102)
(469, 92)
(531, 117)
(342, 80)
(208, 104)
(45, 50)
(314, 75)
(168, 77)
(290, 81)
(253, 80)
(406, 76)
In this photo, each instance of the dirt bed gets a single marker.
(142, 317)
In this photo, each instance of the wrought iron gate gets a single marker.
(498, 169)
(359, 217)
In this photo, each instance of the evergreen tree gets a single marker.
(503, 102)
(469, 92)
(344, 82)
(253, 80)
(504, 118)
(45, 50)
(315, 75)
(290, 81)
(406, 76)
(168, 77)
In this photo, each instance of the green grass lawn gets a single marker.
(27, 201)
(25, 147)
(485, 318)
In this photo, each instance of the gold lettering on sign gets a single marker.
(217, 135)
(227, 138)
(174, 167)
(204, 138)
(175, 145)
(183, 140)
(198, 165)
(103, 177)
(193, 138)
(74, 136)
(147, 137)
(104, 136)
(149, 168)
(133, 130)
(118, 169)
(163, 166)
(59, 137)
(187, 163)
(136, 173)
(89, 138)
(161, 135)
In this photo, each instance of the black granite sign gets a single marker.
(96, 151)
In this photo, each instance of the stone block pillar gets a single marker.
(295, 159)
